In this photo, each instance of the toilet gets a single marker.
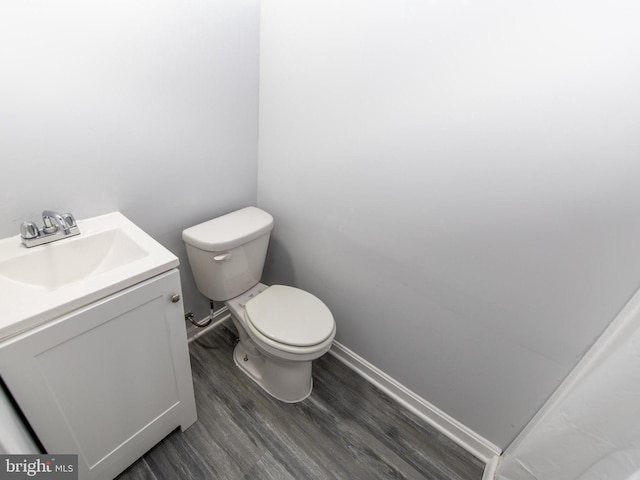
(281, 329)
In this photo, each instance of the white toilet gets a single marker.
(281, 329)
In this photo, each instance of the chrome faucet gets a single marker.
(49, 228)
(56, 227)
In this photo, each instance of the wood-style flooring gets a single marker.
(347, 429)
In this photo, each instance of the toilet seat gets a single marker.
(289, 317)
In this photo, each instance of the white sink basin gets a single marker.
(41, 283)
(61, 263)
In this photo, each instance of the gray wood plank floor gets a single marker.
(346, 429)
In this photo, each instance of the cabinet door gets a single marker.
(107, 381)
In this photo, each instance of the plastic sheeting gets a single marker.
(590, 428)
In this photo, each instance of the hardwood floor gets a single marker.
(346, 429)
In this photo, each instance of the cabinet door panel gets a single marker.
(106, 382)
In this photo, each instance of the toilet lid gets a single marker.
(290, 316)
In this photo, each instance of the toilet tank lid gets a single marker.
(230, 230)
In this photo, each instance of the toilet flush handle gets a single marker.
(222, 257)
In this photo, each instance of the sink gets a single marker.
(58, 264)
(41, 283)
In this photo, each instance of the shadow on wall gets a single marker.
(278, 268)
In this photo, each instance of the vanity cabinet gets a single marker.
(107, 381)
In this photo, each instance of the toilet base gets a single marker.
(285, 380)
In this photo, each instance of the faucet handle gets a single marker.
(29, 230)
(69, 220)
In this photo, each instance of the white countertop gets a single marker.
(41, 283)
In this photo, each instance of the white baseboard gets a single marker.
(490, 468)
(478, 446)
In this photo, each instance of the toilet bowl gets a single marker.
(281, 329)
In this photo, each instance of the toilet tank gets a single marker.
(227, 253)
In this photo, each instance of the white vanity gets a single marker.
(93, 343)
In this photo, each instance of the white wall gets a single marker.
(459, 182)
(141, 106)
